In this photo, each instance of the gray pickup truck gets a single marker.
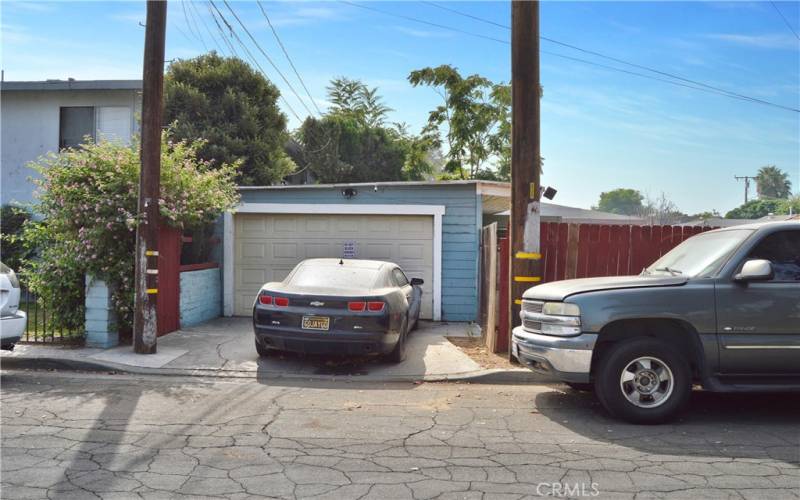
(722, 310)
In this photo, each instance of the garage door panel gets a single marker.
(267, 247)
(285, 250)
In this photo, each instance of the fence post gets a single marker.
(100, 324)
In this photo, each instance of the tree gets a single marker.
(755, 209)
(661, 211)
(772, 182)
(234, 109)
(352, 98)
(621, 201)
(469, 118)
(352, 144)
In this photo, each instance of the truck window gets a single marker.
(783, 250)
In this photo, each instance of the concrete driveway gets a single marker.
(224, 347)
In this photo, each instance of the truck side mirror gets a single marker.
(417, 282)
(755, 270)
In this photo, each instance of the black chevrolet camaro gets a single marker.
(338, 306)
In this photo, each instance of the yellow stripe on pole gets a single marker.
(152, 291)
(527, 279)
(528, 255)
(518, 302)
(151, 253)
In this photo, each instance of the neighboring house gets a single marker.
(551, 212)
(42, 117)
(723, 222)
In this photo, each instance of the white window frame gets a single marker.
(437, 211)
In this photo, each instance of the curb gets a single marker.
(485, 376)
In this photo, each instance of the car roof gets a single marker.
(790, 224)
(359, 263)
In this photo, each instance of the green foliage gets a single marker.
(351, 143)
(755, 209)
(88, 200)
(339, 148)
(772, 182)
(353, 99)
(13, 250)
(234, 109)
(621, 201)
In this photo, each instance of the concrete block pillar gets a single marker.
(101, 321)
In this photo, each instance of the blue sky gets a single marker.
(601, 129)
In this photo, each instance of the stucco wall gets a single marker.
(201, 296)
(459, 230)
(30, 128)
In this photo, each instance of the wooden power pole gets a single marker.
(525, 154)
(144, 320)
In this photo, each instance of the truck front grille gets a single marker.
(532, 306)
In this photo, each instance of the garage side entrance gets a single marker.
(266, 246)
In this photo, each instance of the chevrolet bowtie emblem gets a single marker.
(317, 303)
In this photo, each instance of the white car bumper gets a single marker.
(12, 327)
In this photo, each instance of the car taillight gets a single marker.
(356, 306)
(375, 306)
(281, 301)
(265, 299)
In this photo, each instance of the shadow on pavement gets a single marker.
(757, 426)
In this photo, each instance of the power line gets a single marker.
(618, 60)
(208, 30)
(286, 53)
(269, 59)
(252, 59)
(695, 84)
(788, 24)
(222, 32)
(196, 35)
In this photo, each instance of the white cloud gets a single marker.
(765, 41)
(423, 33)
(303, 16)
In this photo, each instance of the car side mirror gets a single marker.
(755, 270)
(417, 281)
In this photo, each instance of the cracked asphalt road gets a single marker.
(73, 435)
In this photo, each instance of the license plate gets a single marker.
(316, 323)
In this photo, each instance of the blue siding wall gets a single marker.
(459, 230)
(201, 296)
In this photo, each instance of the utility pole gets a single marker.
(746, 179)
(144, 320)
(525, 154)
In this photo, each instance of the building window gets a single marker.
(76, 122)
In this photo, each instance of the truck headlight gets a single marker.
(561, 309)
(551, 318)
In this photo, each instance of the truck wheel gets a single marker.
(262, 351)
(643, 381)
(579, 386)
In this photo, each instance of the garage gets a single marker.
(266, 246)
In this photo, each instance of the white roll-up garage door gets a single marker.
(268, 246)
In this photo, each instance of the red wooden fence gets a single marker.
(590, 250)
(169, 262)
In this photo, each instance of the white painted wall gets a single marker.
(29, 126)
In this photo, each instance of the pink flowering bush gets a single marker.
(88, 200)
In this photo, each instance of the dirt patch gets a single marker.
(475, 349)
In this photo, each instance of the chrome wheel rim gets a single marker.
(647, 382)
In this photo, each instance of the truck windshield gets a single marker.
(700, 255)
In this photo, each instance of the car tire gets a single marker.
(643, 381)
(262, 351)
(398, 354)
(580, 387)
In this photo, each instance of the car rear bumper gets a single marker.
(330, 342)
(12, 327)
(566, 358)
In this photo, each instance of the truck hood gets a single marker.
(560, 290)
